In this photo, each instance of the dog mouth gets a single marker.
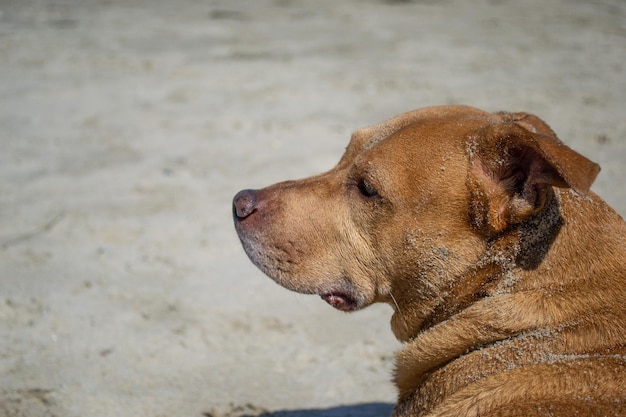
(278, 267)
(341, 301)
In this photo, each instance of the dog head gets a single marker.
(409, 208)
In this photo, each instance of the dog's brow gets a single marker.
(380, 133)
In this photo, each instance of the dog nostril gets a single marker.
(244, 204)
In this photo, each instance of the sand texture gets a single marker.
(127, 126)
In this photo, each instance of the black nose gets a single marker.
(244, 204)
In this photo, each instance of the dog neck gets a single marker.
(497, 271)
(490, 283)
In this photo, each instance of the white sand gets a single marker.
(127, 126)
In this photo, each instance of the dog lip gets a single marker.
(340, 300)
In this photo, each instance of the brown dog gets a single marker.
(506, 275)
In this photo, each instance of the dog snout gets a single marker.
(244, 204)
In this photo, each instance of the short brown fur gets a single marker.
(507, 276)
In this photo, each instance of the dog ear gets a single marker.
(513, 167)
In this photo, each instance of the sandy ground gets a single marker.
(127, 126)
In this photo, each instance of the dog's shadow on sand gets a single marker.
(357, 410)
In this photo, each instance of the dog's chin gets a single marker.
(341, 297)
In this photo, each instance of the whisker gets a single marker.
(406, 326)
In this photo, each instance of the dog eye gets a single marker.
(367, 189)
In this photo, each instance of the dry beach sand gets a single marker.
(127, 126)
